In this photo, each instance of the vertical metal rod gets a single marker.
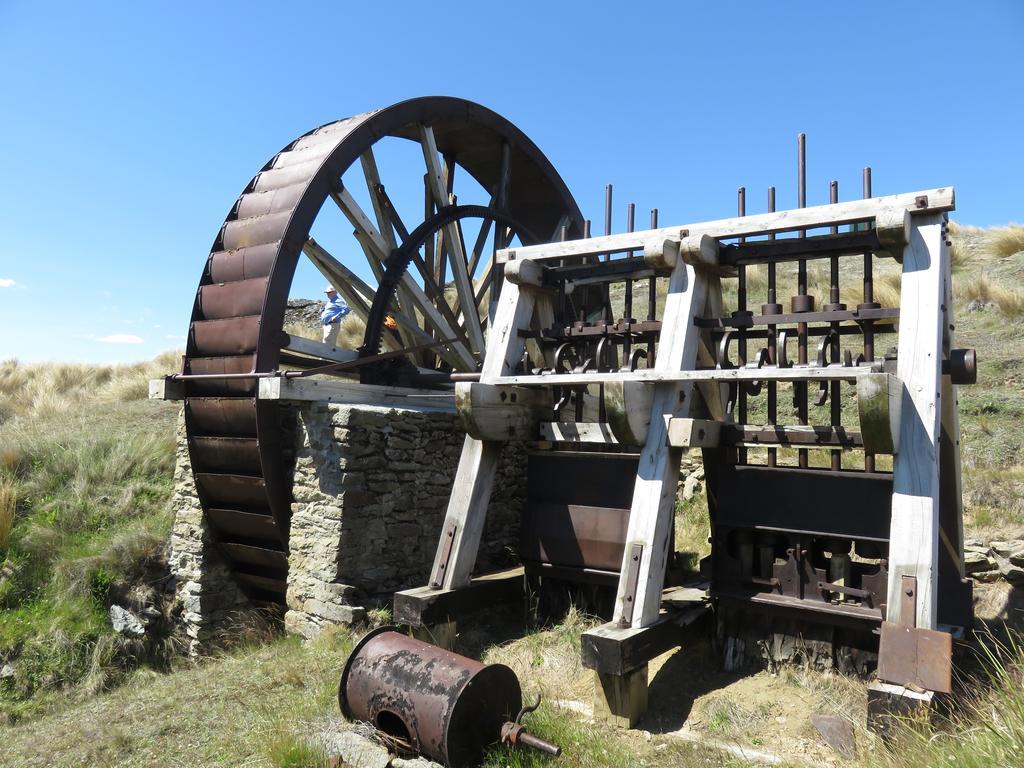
(608, 317)
(800, 388)
(627, 343)
(835, 387)
(868, 328)
(608, 212)
(607, 257)
(741, 338)
(772, 305)
(652, 299)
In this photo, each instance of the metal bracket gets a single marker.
(908, 601)
(447, 543)
(632, 576)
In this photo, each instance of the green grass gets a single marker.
(85, 475)
(985, 731)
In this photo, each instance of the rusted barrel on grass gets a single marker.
(429, 700)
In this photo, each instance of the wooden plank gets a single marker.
(914, 533)
(938, 200)
(335, 390)
(425, 606)
(304, 346)
(654, 375)
(460, 267)
(693, 433)
(652, 508)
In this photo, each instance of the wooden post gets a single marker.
(620, 700)
(914, 530)
(474, 478)
(650, 522)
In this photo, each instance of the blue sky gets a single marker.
(128, 130)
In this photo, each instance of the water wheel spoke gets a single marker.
(452, 241)
(375, 247)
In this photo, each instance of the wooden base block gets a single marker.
(442, 635)
(887, 704)
(423, 606)
(616, 650)
(620, 700)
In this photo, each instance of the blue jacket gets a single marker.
(334, 311)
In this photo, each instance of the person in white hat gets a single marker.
(333, 313)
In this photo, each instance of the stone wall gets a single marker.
(371, 488)
(206, 595)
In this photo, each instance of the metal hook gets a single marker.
(754, 387)
(825, 353)
(634, 358)
(723, 351)
(561, 354)
(780, 351)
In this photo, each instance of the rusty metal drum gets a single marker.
(447, 706)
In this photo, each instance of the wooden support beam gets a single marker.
(914, 533)
(501, 413)
(336, 390)
(836, 372)
(922, 203)
(651, 512)
(474, 478)
(694, 433)
(166, 389)
(614, 650)
(620, 700)
(453, 240)
(423, 606)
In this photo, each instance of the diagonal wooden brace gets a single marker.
(648, 538)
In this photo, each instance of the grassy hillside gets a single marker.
(85, 473)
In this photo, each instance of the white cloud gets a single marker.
(174, 336)
(6, 282)
(121, 338)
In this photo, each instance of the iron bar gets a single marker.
(801, 301)
(741, 311)
(869, 301)
(652, 298)
(774, 308)
(835, 388)
(627, 343)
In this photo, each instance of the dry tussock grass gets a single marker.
(983, 288)
(1003, 242)
(47, 389)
